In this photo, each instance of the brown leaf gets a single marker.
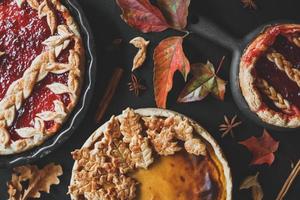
(140, 57)
(39, 181)
(176, 12)
(204, 81)
(249, 4)
(168, 58)
(142, 15)
(252, 182)
(262, 148)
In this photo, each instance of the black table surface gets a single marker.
(107, 25)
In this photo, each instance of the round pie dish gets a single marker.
(269, 75)
(47, 70)
(150, 153)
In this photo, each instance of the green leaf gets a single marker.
(204, 82)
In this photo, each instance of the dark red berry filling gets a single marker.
(21, 37)
(276, 78)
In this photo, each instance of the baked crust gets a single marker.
(247, 77)
(61, 37)
(82, 190)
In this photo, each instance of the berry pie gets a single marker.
(270, 75)
(41, 65)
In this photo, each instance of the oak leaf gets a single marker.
(252, 182)
(175, 11)
(204, 82)
(39, 180)
(262, 148)
(142, 15)
(168, 58)
(140, 57)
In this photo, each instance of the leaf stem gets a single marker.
(220, 64)
(186, 34)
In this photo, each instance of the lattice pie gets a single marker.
(270, 75)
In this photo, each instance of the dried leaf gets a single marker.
(142, 15)
(38, 181)
(249, 4)
(204, 81)
(252, 182)
(168, 58)
(262, 148)
(140, 57)
(175, 11)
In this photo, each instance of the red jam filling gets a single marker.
(21, 37)
(276, 78)
(289, 50)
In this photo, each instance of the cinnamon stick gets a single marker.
(109, 93)
(289, 181)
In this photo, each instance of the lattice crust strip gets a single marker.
(43, 64)
(102, 169)
(296, 41)
(276, 97)
(284, 65)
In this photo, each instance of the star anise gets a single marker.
(229, 125)
(135, 85)
(249, 4)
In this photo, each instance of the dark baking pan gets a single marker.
(80, 110)
(207, 29)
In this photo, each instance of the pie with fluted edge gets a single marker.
(41, 65)
(270, 75)
(150, 154)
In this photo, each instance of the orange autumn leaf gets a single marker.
(262, 148)
(168, 58)
(142, 15)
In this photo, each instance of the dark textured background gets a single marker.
(106, 24)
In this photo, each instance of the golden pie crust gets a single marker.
(283, 113)
(21, 89)
(132, 146)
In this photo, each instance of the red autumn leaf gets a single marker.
(142, 15)
(176, 12)
(168, 58)
(262, 148)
